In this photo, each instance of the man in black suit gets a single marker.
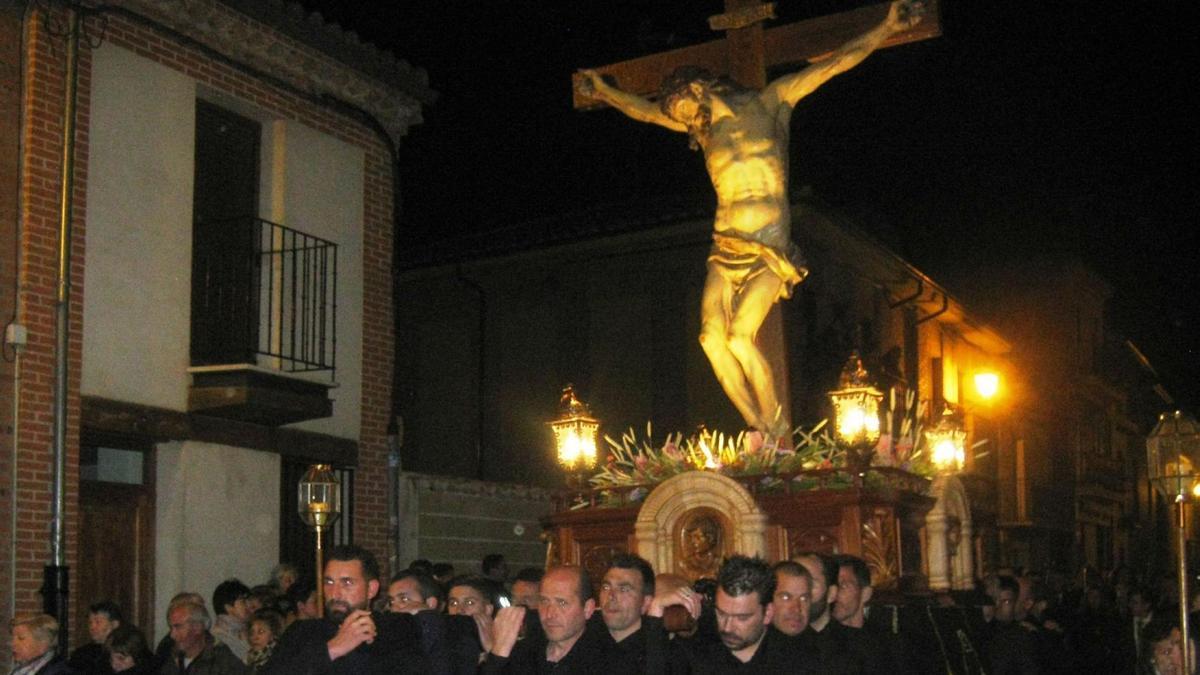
(350, 639)
(567, 642)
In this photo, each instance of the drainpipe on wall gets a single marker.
(56, 575)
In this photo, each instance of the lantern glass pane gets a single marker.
(319, 496)
(575, 439)
(1173, 456)
(856, 415)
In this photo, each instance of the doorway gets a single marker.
(116, 533)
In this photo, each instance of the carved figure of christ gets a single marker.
(743, 132)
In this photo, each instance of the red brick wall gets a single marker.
(42, 132)
(10, 108)
(42, 135)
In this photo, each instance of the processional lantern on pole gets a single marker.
(1173, 465)
(575, 432)
(320, 505)
(856, 416)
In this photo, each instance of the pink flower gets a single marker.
(754, 441)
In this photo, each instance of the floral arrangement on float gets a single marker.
(811, 459)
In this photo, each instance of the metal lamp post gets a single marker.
(320, 505)
(856, 416)
(1173, 464)
(575, 432)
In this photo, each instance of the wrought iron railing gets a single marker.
(264, 294)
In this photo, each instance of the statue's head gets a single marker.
(684, 96)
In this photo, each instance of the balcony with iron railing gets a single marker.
(264, 321)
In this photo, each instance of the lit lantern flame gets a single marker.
(575, 433)
(856, 405)
(946, 443)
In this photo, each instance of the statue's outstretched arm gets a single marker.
(902, 15)
(591, 84)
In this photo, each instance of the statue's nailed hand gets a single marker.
(904, 14)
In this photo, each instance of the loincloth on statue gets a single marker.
(741, 260)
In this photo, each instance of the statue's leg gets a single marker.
(716, 307)
(750, 309)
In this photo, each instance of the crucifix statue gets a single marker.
(741, 123)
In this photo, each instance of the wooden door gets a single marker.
(116, 552)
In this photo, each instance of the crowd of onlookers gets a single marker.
(814, 613)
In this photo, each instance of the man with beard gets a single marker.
(349, 639)
(744, 611)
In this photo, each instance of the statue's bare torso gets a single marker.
(745, 152)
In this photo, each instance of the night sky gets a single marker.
(1028, 127)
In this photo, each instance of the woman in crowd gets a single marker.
(265, 627)
(34, 637)
(128, 652)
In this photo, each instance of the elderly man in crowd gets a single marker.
(196, 651)
(34, 637)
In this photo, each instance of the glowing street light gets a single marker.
(575, 432)
(987, 385)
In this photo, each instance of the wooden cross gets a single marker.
(748, 49)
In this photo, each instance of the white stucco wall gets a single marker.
(314, 183)
(137, 279)
(213, 524)
(138, 275)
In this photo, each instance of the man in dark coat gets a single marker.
(350, 639)
(567, 643)
(195, 651)
(92, 659)
(748, 642)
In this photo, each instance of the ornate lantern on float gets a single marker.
(320, 505)
(1173, 466)
(575, 433)
(856, 415)
(947, 442)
